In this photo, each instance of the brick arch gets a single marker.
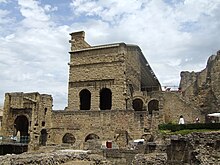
(91, 136)
(138, 104)
(153, 105)
(69, 138)
(85, 99)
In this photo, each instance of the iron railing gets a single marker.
(14, 139)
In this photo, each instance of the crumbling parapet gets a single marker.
(77, 41)
(202, 88)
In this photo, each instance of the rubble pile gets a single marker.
(151, 158)
(52, 158)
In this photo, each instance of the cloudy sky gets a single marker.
(174, 35)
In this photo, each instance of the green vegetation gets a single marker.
(184, 129)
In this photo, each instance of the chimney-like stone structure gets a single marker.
(77, 41)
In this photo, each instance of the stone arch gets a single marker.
(153, 105)
(21, 125)
(85, 99)
(69, 138)
(43, 137)
(138, 104)
(91, 136)
(105, 99)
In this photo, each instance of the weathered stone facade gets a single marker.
(113, 96)
(104, 83)
(202, 89)
(27, 114)
(1, 115)
(115, 71)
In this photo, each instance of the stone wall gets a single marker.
(107, 125)
(1, 115)
(133, 71)
(202, 88)
(26, 114)
(122, 156)
(172, 105)
(95, 70)
(195, 148)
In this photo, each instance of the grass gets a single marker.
(185, 131)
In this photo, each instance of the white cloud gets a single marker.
(35, 15)
(5, 21)
(111, 11)
(192, 10)
(49, 8)
(3, 1)
(3, 15)
(35, 56)
(88, 7)
(36, 60)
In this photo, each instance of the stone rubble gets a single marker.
(151, 158)
(52, 158)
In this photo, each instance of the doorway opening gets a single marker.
(21, 125)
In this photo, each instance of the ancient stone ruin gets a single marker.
(114, 97)
(202, 89)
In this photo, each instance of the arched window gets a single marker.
(137, 105)
(105, 99)
(85, 99)
(69, 138)
(153, 105)
(91, 137)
